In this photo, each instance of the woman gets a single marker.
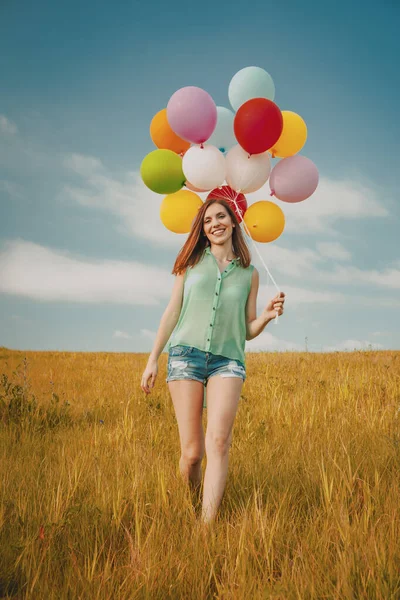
(211, 313)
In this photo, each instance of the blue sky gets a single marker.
(84, 259)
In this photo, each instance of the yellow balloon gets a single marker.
(265, 221)
(293, 136)
(178, 210)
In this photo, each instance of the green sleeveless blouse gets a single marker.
(213, 313)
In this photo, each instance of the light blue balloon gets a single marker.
(223, 136)
(248, 83)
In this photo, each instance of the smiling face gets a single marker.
(217, 224)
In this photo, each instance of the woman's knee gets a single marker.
(217, 443)
(192, 455)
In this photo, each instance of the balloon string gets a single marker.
(254, 245)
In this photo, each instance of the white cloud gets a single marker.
(22, 156)
(45, 274)
(7, 126)
(333, 250)
(21, 320)
(295, 296)
(82, 164)
(268, 342)
(333, 200)
(381, 333)
(148, 334)
(388, 277)
(11, 188)
(121, 334)
(350, 345)
(306, 263)
(40, 273)
(125, 197)
(294, 263)
(138, 210)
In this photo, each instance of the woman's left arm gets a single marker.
(255, 325)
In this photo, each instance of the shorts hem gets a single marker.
(184, 379)
(226, 375)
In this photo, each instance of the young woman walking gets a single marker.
(211, 313)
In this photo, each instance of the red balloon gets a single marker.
(258, 125)
(227, 193)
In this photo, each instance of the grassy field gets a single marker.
(93, 505)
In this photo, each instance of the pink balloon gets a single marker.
(193, 188)
(192, 114)
(294, 179)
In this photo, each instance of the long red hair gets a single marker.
(193, 249)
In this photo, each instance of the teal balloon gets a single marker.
(248, 83)
(161, 171)
(223, 137)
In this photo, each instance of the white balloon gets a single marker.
(223, 137)
(248, 83)
(204, 167)
(246, 173)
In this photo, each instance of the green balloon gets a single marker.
(161, 171)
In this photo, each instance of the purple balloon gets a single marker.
(192, 114)
(294, 179)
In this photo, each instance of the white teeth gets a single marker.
(219, 232)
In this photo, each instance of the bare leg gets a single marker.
(187, 398)
(223, 394)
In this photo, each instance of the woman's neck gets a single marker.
(222, 253)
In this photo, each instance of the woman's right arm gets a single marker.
(169, 319)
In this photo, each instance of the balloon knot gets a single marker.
(202, 146)
(272, 193)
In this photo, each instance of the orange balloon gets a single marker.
(178, 210)
(163, 136)
(265, 221)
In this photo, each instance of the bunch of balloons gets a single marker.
(202, 147)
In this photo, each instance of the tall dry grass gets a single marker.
(93, 505)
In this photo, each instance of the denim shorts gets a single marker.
(187, 362)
